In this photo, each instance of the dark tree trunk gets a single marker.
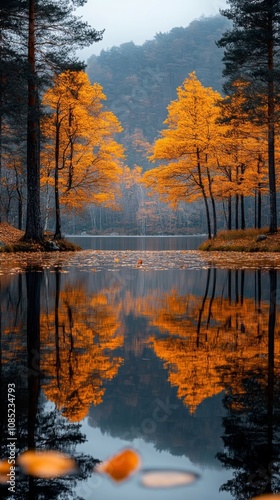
(271, 377)
(1, 150)
(33, 286)
(243, 223)
(57, 346)
(201, 185)
(229, 213)
(19, 200)
(259, 207)
(271, 122)
(201, 310)
(20, 212)
(259, 196)
(213, 204)
(236, 211)
(212, 297)
(57, 234)
(34, 231)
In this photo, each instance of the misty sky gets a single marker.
(140, 20)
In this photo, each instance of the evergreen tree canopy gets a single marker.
(59, 32)
(251, 55)
(252, 45)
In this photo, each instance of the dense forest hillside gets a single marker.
(140, 81)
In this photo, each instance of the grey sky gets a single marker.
(140, 20)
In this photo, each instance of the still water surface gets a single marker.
(156, 243)
(177, 356)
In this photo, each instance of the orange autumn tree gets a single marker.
(242, 159)
(188, 148)
(81, 158)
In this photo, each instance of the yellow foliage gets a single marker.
(243, 157)
(80, 147)
(187, 149)
(208, 148)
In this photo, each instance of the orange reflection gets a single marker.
(79, 339)
(210, 343)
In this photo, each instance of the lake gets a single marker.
(174, 353)
(138, 242)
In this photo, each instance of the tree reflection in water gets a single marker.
(214, 343)
(80, 336)
(251, 426)
(36, 426)
(124, 354)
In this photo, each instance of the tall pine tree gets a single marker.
(251, 55)
(55, 27)
(42, 35)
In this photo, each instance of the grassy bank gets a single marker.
(11, 241)
(247, 240)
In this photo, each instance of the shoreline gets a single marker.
(243, 240)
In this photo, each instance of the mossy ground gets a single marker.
(243, 240)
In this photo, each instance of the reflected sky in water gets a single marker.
(176, 355)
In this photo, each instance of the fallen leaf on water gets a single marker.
(4, 466)
(46, 464)
(269, 496)
(167, 478)
(120, 466)
(4, 470)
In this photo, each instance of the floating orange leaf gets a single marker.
(120, 466)
(4, 467)
(267, 497)
(4, 470)
(163, 478)
(46, 464)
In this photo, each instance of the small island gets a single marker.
(243, 240)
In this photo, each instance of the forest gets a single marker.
(176, 136)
